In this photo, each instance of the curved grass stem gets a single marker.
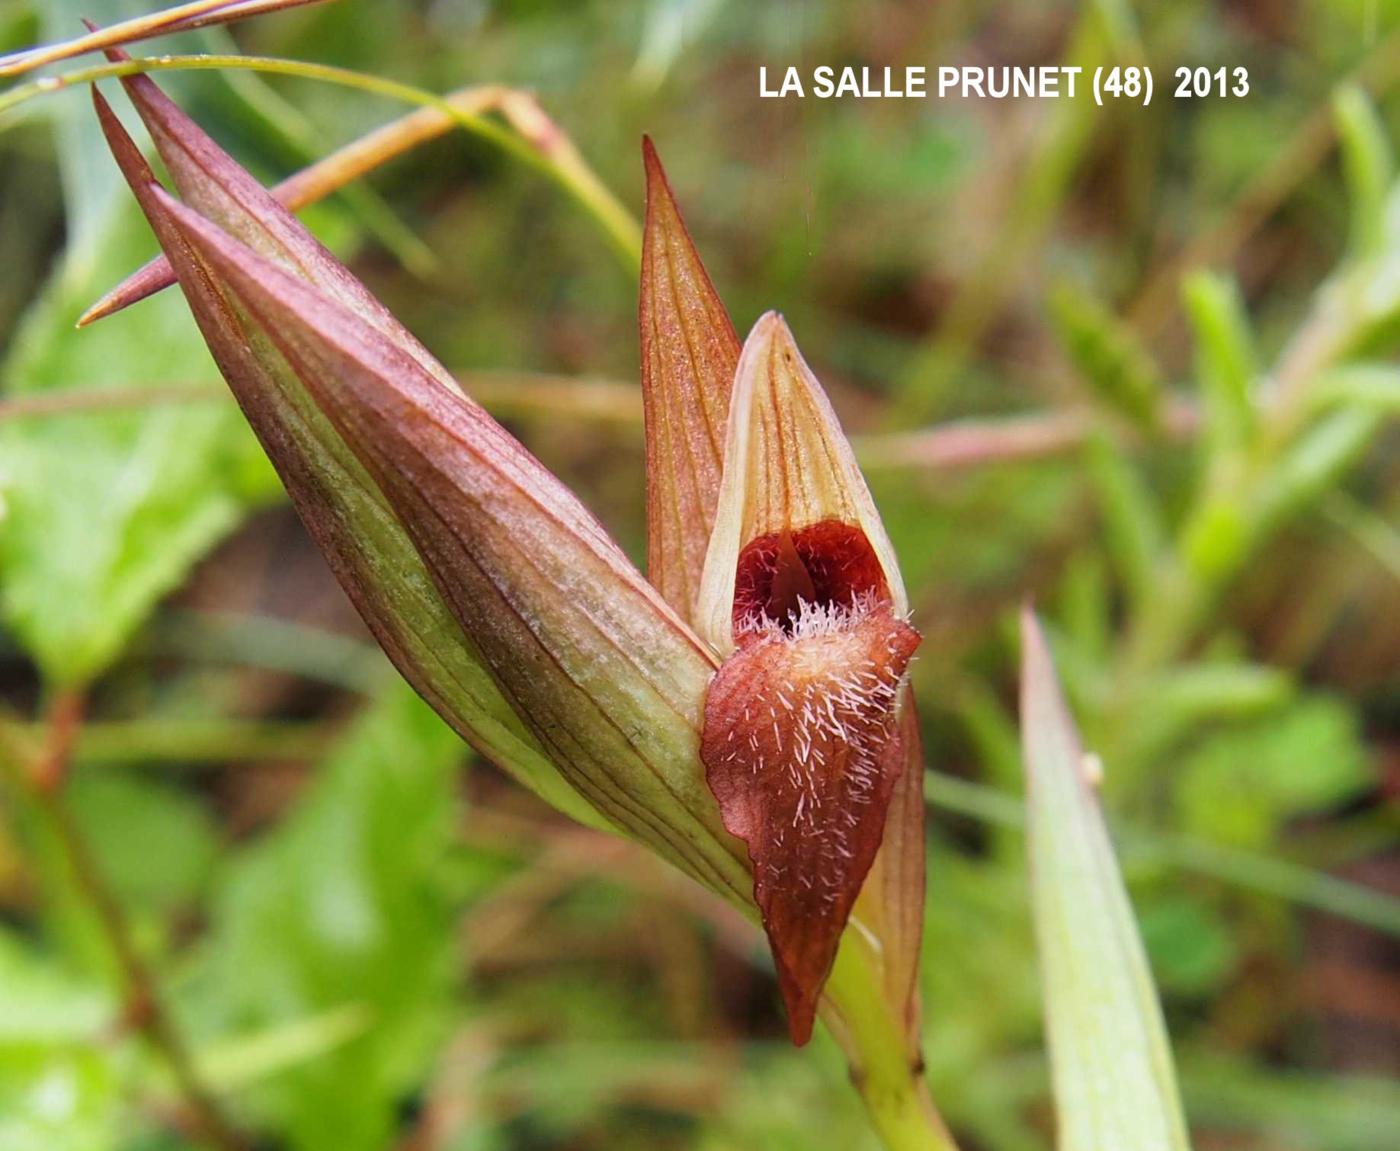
(535, 141)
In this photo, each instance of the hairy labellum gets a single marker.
(801, 748)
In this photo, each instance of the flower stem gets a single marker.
(886, 1067)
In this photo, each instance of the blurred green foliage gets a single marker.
(367, 947)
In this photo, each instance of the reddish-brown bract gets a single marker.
(689, 353)
(565, 620)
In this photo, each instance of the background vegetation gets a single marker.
(1134, 363)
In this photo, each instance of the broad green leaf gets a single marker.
(1190, 943)
(106, 512)
(1242, 785)
(41, 1002)
(1115, 1085)
(57, 1098)
(122, 815)
(343, 908)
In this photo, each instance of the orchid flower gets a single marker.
(742, 710)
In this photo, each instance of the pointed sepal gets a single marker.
(344, 511)
(789, 469)
(216, 186)
(890, 908)
(689, 353)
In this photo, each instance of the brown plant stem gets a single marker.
(81, 401)
(348, 163)
(970, 443)
(182, 18)
(42, 776)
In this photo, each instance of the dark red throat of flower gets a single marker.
(801, 744)
(827, 565)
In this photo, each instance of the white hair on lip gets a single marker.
(812, 620)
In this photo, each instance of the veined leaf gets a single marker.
(60, 1074)
(1115, 1085)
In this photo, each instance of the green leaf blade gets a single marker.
(1227, 363)
(1115, 1085)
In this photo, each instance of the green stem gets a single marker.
(1182, 599)
(885, 1069)
(195, 742)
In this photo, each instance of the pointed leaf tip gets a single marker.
(1112, 1067)
(689, 352)
(138, 174)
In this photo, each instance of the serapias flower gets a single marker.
(802, 744)
(743, 711)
